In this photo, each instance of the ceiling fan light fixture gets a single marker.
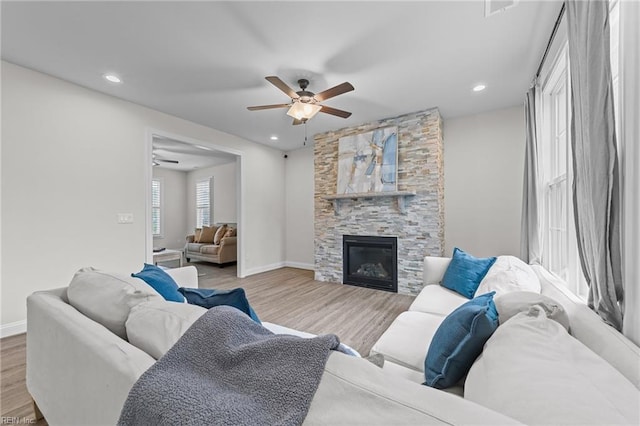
(303, 111)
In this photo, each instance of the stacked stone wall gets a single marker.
(420, 231)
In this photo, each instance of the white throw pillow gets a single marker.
(107, 298)
(510, 304)
(532, 370)
(508, 274)
(156, 326)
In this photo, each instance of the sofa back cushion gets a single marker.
(508, 274)
(511, 304)
(219, 234)
(531, 369)
(231, 232)
(208, 232)
(107, 298)
(591, 330)
(156, 326)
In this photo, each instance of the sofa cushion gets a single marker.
(194, 247)
(459, 340)
(107, 298)
(219, 234)
(534, 371)
(436, 299)
(161, 282)
(510, 304)
(508, 274)
(207, 235)
(209, 249)
(209, 298)
(407, 339)
(465, 272)
(156, 326)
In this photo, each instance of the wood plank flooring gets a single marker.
(286, 296)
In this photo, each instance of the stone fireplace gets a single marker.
(370, 261)
(416, 221)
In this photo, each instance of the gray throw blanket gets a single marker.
(228, 370)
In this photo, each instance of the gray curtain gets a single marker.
(530, 249)
(596, 198)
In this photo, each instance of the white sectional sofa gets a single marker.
(405, 343)
(79, 372)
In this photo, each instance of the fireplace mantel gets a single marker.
(401, 196)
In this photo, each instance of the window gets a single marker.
(156, 207)
(203, 202)
(560, 251)
(558, 219)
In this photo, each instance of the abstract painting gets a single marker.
(368, 162)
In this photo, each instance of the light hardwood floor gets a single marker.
(287, 296)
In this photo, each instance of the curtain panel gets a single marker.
(530, 239)
(596, 196)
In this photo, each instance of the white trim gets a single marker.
(264, 268)
(629, 103)
(300, 265)
(13, 328)
(161, 207)
(149, 133)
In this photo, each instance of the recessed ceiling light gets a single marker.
(479, 88)
(274, 138)
(112, 78)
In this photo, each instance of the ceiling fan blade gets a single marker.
(167, 161)
(259, 107)
(282, 86)
(335, 111)
(334, 91)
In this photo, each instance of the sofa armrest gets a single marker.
(78, 372)
(190, 238)
(434, 269)
(186, 276)
(228, 241)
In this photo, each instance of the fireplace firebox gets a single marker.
(370, 262)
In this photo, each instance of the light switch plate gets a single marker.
(124, 218)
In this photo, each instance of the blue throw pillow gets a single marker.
(208, 298)
(161, 282)
(465, 272)
(459, 340)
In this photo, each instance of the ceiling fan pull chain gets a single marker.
(305, 133)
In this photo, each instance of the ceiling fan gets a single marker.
(157, 160)
(305, 104)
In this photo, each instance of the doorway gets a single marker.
(175, 166)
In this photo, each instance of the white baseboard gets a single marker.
(300, 265)
(277, 265)
(13, 328)
(264, 268)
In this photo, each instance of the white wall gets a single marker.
(483, 170)
(225, 190)
(299, 191)
(174, 208)
(79, 156)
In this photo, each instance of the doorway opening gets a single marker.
(191, 184)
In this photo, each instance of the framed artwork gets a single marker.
(368, 162)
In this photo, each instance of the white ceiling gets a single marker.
(206, 61)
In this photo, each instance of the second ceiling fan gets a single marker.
(305, 104)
